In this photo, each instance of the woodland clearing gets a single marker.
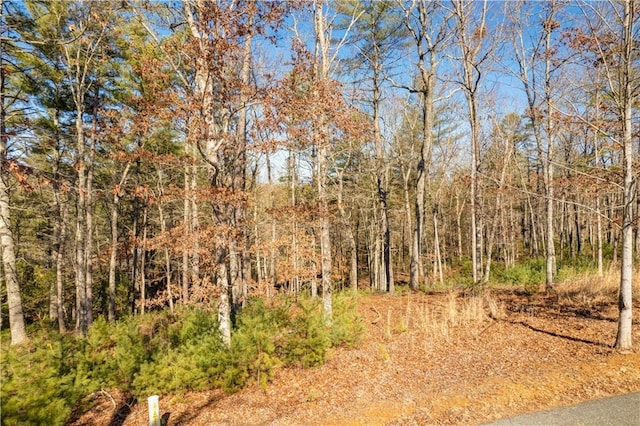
(442, 357)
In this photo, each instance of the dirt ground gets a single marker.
(440, 358)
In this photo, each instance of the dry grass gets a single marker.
(591, 291)
(453, 316)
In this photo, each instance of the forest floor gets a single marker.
(435, 358)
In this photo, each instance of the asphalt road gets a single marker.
(621, 410)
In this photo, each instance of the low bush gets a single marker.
(44, 380)
(308, 338)
(113, 354)
(529, 274)
(253, 344)
(347, 327)
(39, 381)
(188, 355)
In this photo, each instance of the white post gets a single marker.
(154, 410)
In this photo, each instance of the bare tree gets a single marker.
(322, 66)
(538, 84)
(428, 28)
(471, 40)
(625, 89)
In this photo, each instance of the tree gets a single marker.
(50, 151)
(81, 32)
(626, 93)
(219, 46)
(537, 67)
(428, 29)
(608, 42)
(506, 135)
(8, 101)
(376, 36)
(473, 56)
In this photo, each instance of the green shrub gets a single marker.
(347, 327)
(45, 380)
(529, 274)
(192, 357)
(193, 325)
(113, 354)
(38, 382)
(308, 337)
(254, 342)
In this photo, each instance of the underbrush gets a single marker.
(591, 290)
(529, 274)
(45, 380)
(456, 314)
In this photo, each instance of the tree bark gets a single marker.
(471, 70)
(547, 168)
(59, 254)
(187, 226)
(111, 311)
(385, 273)
(82, 305)
(322, 74)
(61, 208)
(351, 240)
(14, 300)
(624, 340)
(599, 236)
(428, 35)
(90, 210)
(272, 276)
(163, 229)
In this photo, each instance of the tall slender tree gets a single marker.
(537, 71)
(428, 25)
(8, 101)
(474, 53)
(376, 37)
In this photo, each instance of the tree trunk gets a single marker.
(59, 254)
(142, 258)
(272, 276)
(406, 176)
(436, 249)
(351, 240)
(16, 318)
(111, 311)
(295, 279)
(499, 218)
(224, 301)
(163, 230)
(385, 274)
(61, 207)
(322, 74)
(186, 220)
(14, 300)
(113, 257)
(459, 211)
(90, 214)
(325, 237)
(238, 246)
(624, 340)
(428, 37)
(428, 79)
(472, 75)
(547, 169)
(599, 236)
(82, 303)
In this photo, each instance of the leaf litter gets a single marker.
(436, 358)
